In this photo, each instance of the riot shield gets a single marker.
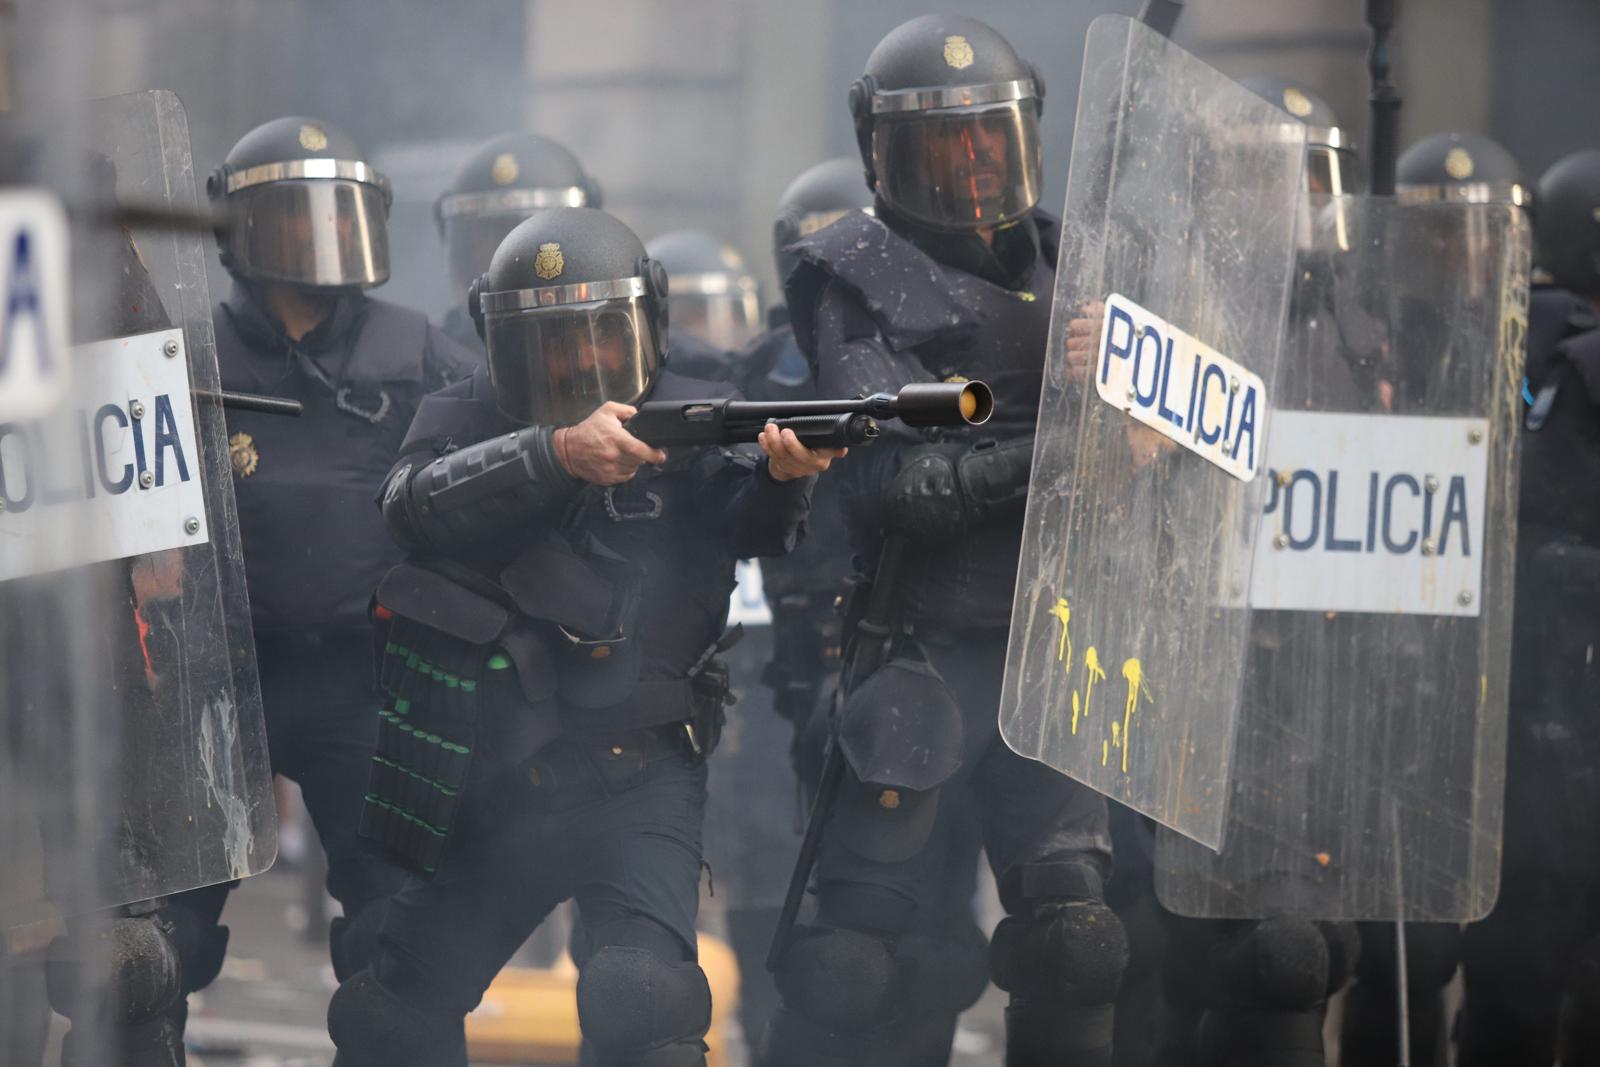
(1127, 641)
(120, 570)
(1369, 772)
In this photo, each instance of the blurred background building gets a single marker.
(699, 112)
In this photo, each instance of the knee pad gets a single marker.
(639, 1008)
(1277, 964)
(353, 939)
(129, 975)
(839, 979)
(1072, 953)
(945, 970)
(373, 1027)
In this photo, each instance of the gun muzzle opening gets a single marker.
(945, 404)
(977, 403)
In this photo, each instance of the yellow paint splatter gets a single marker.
(1091, 667)
(1134, 673)
(1483, 688)
(1074, 713)
(1116, 736)
(1064, 648)
(1105, 752)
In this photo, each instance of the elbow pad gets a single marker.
(942, 491)
(477, 492)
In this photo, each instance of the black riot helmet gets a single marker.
(1566, 222)
(502, 182)
(714, 297)
(573, 314)
(1330, 155)
(814, 200)
(1462, 167)
(947, 120)
(304, 208)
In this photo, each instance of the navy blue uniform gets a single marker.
(315, 548)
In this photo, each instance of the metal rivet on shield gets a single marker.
(1233, 385)
(1464, 598)
(1281, 541)
(1285, 477)
(146, 479)
(191, 525)
(1475, 436)
(1132, 396)
(1431, 483)
(136, 409)
(1427, 546)
(171, 347)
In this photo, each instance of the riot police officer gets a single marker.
(1458, 166)
(503, 181)
(1532, 968)
(306, 237)
(715, 303)
(952, 279)
(551, 659)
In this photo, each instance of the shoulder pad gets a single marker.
(458, 415)
(670, 386)
(448, 360)
(1554, 316)
(905, 291)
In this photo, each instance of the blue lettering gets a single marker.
(1300, 544)
(1388, 514)
(16, 504)
(1112, 348)
(110, 411)
(1372, 512)
(1212, 371)
(1166, 381)
(1333, 543)
(1455, 511)
(22, 297)
(1194, 389)
(167, 437)
(1149, 334)
(1247, 425)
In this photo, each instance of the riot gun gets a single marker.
(818, 423)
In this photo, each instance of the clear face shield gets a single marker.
(315, 223)
(959, 168)
(722, 310)
(553, 364)
(1331, 178)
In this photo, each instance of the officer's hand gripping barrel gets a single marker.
(818, 423)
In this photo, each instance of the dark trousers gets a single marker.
(619, 836)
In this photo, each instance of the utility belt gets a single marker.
(478, 675)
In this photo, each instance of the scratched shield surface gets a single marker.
(134, 758)
(1369, 773)
(1127, 639)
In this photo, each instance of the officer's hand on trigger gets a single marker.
(1083, 341)
(601, 450)
(788, 458)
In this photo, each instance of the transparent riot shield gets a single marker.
(1127, 635)
(121, 579)
(1369, 774)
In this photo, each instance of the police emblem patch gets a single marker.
(505, 169)
(1296, 102)
(1458, 164)
(312, 139)
(243, 455)
(548, 263)
(957, 52)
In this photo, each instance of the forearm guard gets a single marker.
(943, 490)
(476, 492)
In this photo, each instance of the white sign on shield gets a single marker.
(1181, 387)
(1374, 513)
(34, 366)
(114, 472)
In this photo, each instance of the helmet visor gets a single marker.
(554, 366)
(324, 233)
(726, 321)
(961, 168)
